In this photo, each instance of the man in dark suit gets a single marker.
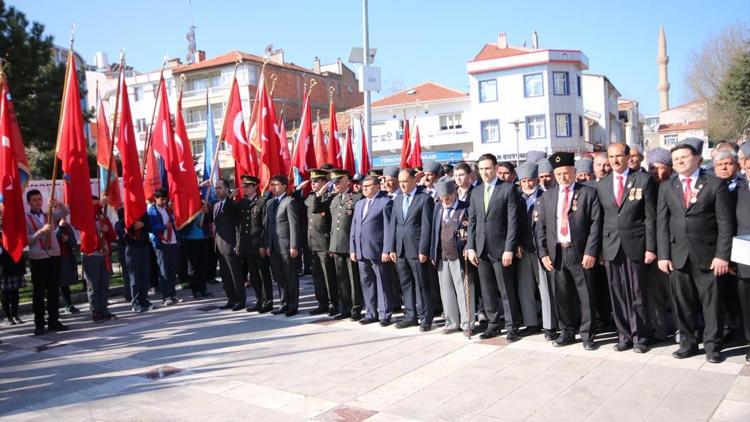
(319, 240)
(628, 201)
(568, 239)
(390, 185)
(367, 246)
(282, 242)
(694, 238)
(491, 245)
(410, 248)
(225, 222)
(532, 277)
(250, 245)
(743, 229)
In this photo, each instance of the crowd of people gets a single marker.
(554, 246)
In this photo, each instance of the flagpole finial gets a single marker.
(122, 55)
(273, 83)
(313, 82)
(238, 60)
(317, 114)
(331, 91)
(183, 78)
(73, 29)
(3, 63)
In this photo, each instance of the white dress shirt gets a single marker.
(563, 238)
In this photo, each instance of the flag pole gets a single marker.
(208, 191)
(237, 63)
(150, 131)
(114, 126)
(59, 126)
(295, 143)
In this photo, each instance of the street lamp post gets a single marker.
(517, 124)
(365, 61)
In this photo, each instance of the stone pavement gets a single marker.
(193, 362)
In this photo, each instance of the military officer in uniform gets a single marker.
(319, 240)
(255, 262)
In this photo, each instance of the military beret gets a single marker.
(391, 171)
(585, 166)
(337, 173)
(562, 159)
(431, 166)
(358, 178)
(318, 174)
(249, 180)
(694, 144)
(659, 156)
(534, 156)
(527, 171)
(445, 186)
(544, 166)
(375, 172)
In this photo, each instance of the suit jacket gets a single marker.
(250, 234)
(282, 225)
(410, 235)
(743, 219)
(157, 227)
(631, 226)
(703, 230)
(318, 222)
(495, 231)
(225, 226)
(461, 214)
(342, 213)
(526, 222)
(369, 234)
(585, 222)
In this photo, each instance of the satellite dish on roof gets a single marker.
(269, 48)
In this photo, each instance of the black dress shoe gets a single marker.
(564, 340)
(332, 311)
(319, 310)
(12, 321)
(237, 307)
(489, 333)
(366, 321)
(387, 322)
(254, 308)
(290, 313)
(715, 357)
(621, 346)
(228, 305)
(57, 326)
(343, 315)
(267, 307)
(38, 330)
(550, 335)
(406, 324)
(356, 317)
(425, 328)
(512, 336)
(684, 353)
(530, 331)
(640, 348)
(279, 311)
(589, 345)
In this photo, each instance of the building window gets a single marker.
(562, 125)
(561, 83)
(488, 91)
(578, 85)
(533, 85)
(536, 126)
(137, 93)
(490, 131)
(198, 148)
(670, 139)
(140, 125)
(450, 121)
(580, 125)
(155, 87)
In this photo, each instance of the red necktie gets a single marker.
(620, 190)
(688, 191)
(564, 217)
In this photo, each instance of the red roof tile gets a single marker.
(425, 92)
(492, 51)
(673, 127)
(231, 57)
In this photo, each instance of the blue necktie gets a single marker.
(405, 204)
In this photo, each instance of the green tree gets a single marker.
(729, 112)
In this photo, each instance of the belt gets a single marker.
(446, 258)
(565, 244)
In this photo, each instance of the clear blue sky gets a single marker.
(416, 40)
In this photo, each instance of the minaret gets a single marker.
(663, 60)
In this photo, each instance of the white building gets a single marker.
(630, 120)
(441, 114)
(538, 88)
(684, 121)
(602, 125)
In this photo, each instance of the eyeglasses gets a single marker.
(368, 186)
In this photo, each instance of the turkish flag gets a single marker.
(152, 182)
(108, 179)
(20, 151)
(347, 162)
(186, 198)
(405, 146)
(334, 148)
(233, 132)
(304, 154)
(266, 134)
(132, 180)
(364, 163)
(321, 155)
(71, 150)
(415, 159)
(14, 233)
